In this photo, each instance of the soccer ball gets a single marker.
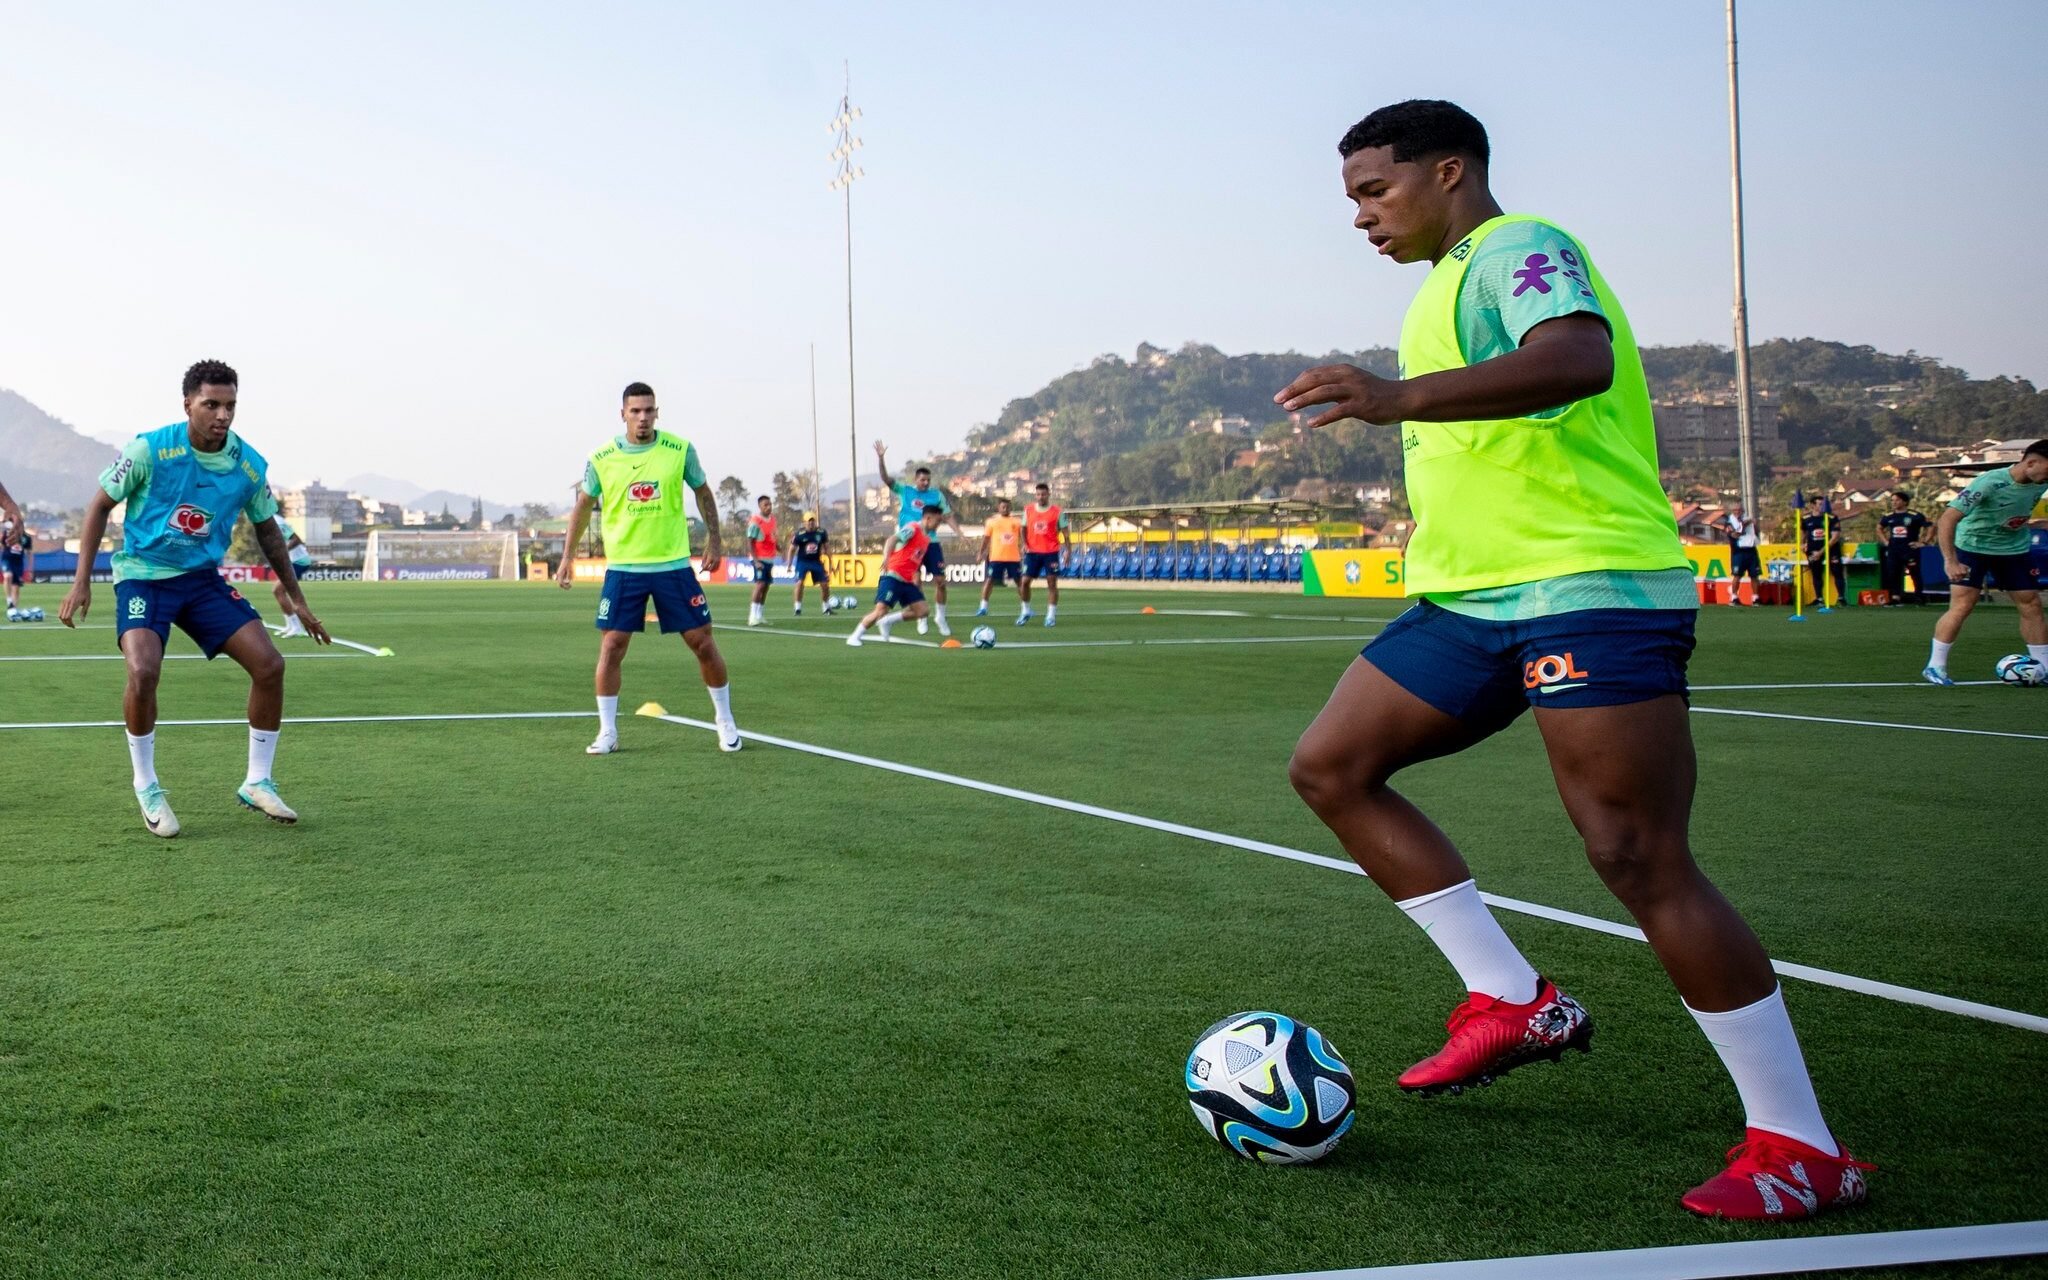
(2019, 668)
(35, 614)
(984, 637)
(1270, 1088)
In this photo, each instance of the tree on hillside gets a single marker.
(242, 545)
(733, 498)
(534, 513)
(789, 495)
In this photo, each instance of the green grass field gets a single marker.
(494, 1008)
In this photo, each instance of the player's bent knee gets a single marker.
(1324, 779)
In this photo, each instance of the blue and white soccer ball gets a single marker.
(35, 614)
(1270, 1088)
(848, 602)
(2019, 668)
(983, 637)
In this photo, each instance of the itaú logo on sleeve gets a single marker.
(192, 521)
(644, 491)
(1550, 673)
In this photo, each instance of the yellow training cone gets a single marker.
(651, 709)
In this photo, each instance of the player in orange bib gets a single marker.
(1001, 553)
(761, 541)
(1045, 527)
(897, 595)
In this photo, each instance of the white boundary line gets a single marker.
(118, 657)
(243, 720)
(1732, 1258)
(1823, 977)
(1853, 684)
(1868, 724)
(873, 638)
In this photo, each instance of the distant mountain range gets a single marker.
(45, 460)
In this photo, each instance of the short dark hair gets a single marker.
(2038, 447)
(1043, 485)
(1417, 128)
(1901, 493)
(209, 373)
(635, 389)
(923, 471)
(764, 498)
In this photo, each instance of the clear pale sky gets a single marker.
(437, 238)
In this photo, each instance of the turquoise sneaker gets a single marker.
(156, 810)
(263, 798)
(1936, 675)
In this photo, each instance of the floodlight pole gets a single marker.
(1745, 427)
(817, 467)
(846, 174)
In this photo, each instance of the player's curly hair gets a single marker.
(635, 389)
(1419, 127)
(214, 373)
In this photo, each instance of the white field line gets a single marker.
(240, 720)
(1733, 1258)
(1868, 724)
(1852, 684)
(117, 657)
(1824, 977)
(873, 638)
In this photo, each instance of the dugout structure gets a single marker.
(421, 555)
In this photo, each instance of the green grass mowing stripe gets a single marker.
(1736, 1258)
(1823, 977)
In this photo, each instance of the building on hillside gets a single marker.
(1863, 489)
(1701, 426)
(1221, 425)
(1244, 459)
(1698, 523)
(316, 499)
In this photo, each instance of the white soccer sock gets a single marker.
(721, 702)
(799, 609)
(890, 619)
(2039, 653)
(1761, 1051)
(1051, 611)
(608, 716)
(940, 611)
(1938, 656)
(142, 756)
(860, 628)
(262, 750)
(1464, 929)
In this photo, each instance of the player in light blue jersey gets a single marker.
(185, 485)
(912, 501)
(1984, 543)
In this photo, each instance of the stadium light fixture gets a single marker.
(1745, 437)
(845, 173)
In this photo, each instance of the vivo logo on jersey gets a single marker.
(191, 520)
(644, 491)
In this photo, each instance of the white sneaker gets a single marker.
(756, 622)
(156, 811)
(293, 627)
(263, 798)
(922, 623)
(606, 744)
(885, 628)
(945, 631)
(854, 640)
(729, 737)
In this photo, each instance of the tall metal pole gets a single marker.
(1745, 429)
(844, 177)
(817, 467)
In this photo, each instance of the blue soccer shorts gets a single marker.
(2001, 573)
(678, 601)
(1041, 564)
(1486, 673)
(935, 561)
(896, 593)
(1001, 571)
(812, 571)
(200, 604)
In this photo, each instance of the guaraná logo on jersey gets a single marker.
(644, 491)
(1548, 673)
(192, 521)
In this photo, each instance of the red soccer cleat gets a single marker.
(1773, 1178)
(1490, 1038)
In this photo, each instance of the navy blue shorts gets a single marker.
(678, 601)
(812, 571)
(1000, 571)
(896, 593)
(12, 563)
(2004, 573)
(935, 561)
(200, 603)
(1485, 673)
(1041, 564)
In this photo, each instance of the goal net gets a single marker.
(418, 555)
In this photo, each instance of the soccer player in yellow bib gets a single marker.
(1550, 575)
(640, 477)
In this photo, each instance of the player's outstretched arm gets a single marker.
(78, 600)
(707, 511)
(1561, 360)
(882, 465)
(8, 508)
(565, 576)
(271, 539)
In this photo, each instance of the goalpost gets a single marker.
(420, 555)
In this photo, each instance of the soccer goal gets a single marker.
(420, 555)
